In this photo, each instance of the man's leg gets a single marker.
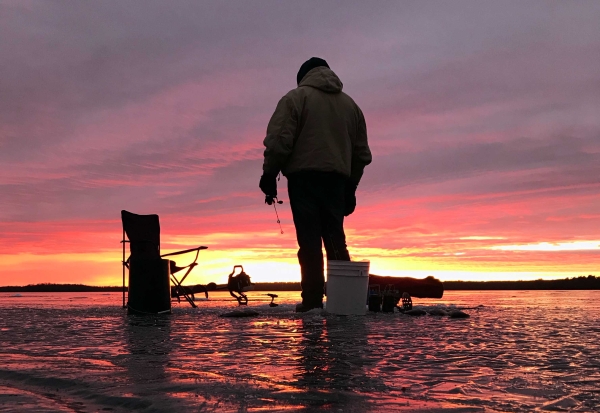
(332, 217)
(305, 210)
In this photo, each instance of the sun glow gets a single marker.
(281, 265)
(552, 246)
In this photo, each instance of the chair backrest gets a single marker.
(143, 232)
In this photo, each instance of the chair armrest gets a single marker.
(184, 251)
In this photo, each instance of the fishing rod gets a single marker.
(269, 199)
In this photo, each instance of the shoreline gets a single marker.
(589, 282)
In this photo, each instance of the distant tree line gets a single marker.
(275, 286)
(59, 288)
(81, 288)
(590, 282)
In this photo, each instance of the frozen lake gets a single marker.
(521, 351)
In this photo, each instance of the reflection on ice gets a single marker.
(519, 352)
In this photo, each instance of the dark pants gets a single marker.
(317, 201)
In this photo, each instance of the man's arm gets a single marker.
(361, 154)
(281, 132)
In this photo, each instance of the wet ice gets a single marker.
(522, 351)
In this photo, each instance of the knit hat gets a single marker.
(309, 65)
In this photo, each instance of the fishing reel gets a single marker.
(270, 200)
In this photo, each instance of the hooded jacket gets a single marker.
(317, 127)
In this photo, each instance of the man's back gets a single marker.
(317, 127)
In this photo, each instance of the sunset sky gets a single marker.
(483, 119)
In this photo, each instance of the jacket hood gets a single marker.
(324, 79)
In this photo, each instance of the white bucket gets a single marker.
(347, 287)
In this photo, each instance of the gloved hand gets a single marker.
(349, 197)
(268, 184)
(269, 199)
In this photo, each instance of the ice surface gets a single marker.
(519, 352)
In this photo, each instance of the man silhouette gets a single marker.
(317, 138)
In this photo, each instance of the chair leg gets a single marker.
(181, 289)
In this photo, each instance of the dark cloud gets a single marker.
(551, 162)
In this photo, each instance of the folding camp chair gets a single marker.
(143, 236)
